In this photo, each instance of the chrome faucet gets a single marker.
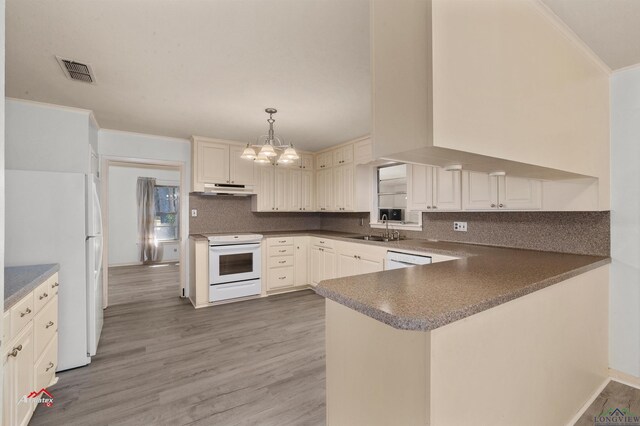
(386, 234)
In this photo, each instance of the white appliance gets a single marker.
(234, 266)
(54, 217)
(398, 260)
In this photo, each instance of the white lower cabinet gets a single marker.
(323, 260)
(31, 350)
(482, 191)
(286, 263)
(357, 259)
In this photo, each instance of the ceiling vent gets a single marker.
(76, 70)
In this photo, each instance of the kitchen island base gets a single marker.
(534, 360)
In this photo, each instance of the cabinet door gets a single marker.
(325, 160)
(324, 188)
(363, 152)
(343, 155)
(369, 264)
(338, 188)
(446, 189)
(348, 181)
(266, 188)
(329, 264)
(479, 191)
(419, 187)
(317, 264)
(213, 162)
(241, 171)
(294, 190)
(19, 369)
(516, 193)
(306, 161)
(301, 261)
(281, 187)
(347, 264)
(306, 191)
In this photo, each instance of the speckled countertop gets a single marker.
(431, 296)
(20, 280)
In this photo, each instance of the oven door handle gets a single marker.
(240, 248)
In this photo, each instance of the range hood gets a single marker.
(228, 189)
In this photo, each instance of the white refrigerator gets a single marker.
(55, 217)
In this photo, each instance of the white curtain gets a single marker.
(149, 250)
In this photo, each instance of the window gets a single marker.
(392, 196)
(167, 221)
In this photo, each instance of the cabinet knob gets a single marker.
(28, 311)
(281, 278)
(43, 295)
(51, 365)
(16, 349)
(500, 205)
(435, 207)
(282, 261)
(429, 207)
(54, 285)
(49, 324)
(233, 181)
(493, 205)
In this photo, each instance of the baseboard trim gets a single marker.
(624, 378)
(587, 404)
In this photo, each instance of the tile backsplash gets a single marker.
(566, 232)
(218, 214)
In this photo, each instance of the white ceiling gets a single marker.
(611, 28)
(206, 67)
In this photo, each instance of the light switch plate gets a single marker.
(460, 226)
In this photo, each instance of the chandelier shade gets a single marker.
(269, 148)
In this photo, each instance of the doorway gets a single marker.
(144, 208)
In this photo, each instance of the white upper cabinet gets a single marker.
(432, 188)
(281, 189)
(324, 190)
(265, 198)
(324, 160)
(307, 192)
(294, 190)
(481, 191)
(363, 151)
(213, 162)
(343, 155)
(516, 193)
(218, 162)
(241, 171)
(306, 161)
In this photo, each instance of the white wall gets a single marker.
(113, 144)
(48, 138)
(625, 222)
(123, 212)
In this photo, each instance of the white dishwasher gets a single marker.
(398, 259)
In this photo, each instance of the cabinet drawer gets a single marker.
(21, 313)
(43, 293)
(280, 261)
(324, 242)
(284, 241)
(281, 251)
(45, 326)
(281, 277)
(45, 368)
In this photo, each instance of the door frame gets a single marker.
(179, 166)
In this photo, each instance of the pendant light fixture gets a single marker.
(270, 148)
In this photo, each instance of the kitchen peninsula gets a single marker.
(439, 344)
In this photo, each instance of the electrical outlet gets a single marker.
(194, 212)
(460, 226)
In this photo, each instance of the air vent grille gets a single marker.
(76, 70)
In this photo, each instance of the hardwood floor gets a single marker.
(161, 362)
(614, 395)
(158, 283)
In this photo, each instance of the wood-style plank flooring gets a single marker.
(614, 395)
(161, 362)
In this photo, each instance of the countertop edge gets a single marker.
(14, 298)
(424, 324)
